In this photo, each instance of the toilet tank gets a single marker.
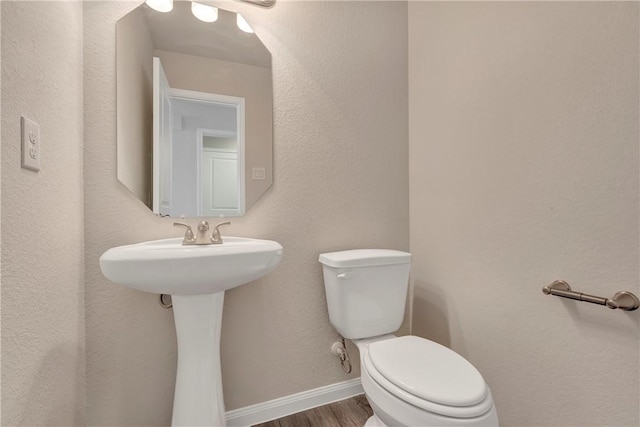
(366, 290)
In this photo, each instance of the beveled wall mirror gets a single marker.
(194, 111)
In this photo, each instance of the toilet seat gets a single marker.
(428, 376)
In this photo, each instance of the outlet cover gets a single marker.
(258, 174)
(30, 137)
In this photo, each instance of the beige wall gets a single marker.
(524, 169)
(252, 83)
(340, 181)
(134, 96)
(42, 262)
(0, 214)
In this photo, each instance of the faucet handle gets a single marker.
(216, 237)
(188, 234)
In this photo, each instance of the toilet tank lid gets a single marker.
(364, 258)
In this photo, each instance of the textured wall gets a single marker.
(524, 169)
(42, 274)
(0, 211)
(340, 181)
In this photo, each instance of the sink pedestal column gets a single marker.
(198, 399)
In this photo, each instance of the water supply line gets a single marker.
(339, 349)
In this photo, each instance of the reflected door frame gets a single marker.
(162, 196)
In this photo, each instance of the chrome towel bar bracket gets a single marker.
(624, 300)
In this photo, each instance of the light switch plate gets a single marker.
(30, 136)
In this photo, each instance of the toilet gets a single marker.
(408, 381)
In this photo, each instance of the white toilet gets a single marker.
(409, 381)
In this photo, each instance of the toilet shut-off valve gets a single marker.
(339, 349)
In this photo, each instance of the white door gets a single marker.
(161, 141)
(219, 183)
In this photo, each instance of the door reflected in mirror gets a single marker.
(194, 112)
(198, 146)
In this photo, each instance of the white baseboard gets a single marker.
(277, 408)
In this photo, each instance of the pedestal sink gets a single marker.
(196, 278)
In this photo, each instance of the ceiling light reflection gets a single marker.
(160, 5)
(203, 12)
(243, 24)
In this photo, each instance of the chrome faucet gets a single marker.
(203, 237)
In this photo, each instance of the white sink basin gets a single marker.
(196, 277)
(168, 267)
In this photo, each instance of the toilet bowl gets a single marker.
(411, 381)
(408, 381)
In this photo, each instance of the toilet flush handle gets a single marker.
(341, 275)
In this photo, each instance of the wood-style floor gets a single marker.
(352, 412)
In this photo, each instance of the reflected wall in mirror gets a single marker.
(194, 111)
